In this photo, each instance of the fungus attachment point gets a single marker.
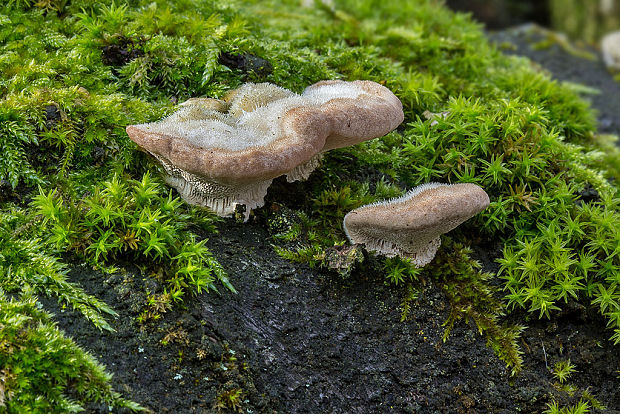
(221, 198)
(220, 153)
(410, 225)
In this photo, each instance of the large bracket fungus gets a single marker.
(410, 226)
(220, 153)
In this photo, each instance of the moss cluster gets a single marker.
(75, 73)
(39, 364)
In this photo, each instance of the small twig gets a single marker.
(545, 353)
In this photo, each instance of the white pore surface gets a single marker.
(266, 91)
(206, 128)
(195, 113)
(266, 120)
(209, 134)
(324, 93)
(211, 130)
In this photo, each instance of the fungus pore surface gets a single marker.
(220, 153)
(410, 226)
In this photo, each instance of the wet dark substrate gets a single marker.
(314, 344)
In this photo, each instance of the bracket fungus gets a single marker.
(220, 153)
(410, 225)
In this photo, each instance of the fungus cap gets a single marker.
(215, 162)
(251, 96)
(229, 149)
(206, 103)
(359, 110)
(410, 225)
(222, 153)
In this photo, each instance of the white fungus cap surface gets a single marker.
(257, 127)
(318, 95)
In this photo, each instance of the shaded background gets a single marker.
(586, 20)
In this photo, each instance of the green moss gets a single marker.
(42, 370)
(527, 140)
(26, 266)
(133, 221)
(562, 371)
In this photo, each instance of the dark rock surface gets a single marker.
(246, 63)
(499, 14)
(319, 345)
(316, 344)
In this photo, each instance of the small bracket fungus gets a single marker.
(410, 225)
(220, 153)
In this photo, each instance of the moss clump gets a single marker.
(42, 370)
(133, 221)
(528, 141)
